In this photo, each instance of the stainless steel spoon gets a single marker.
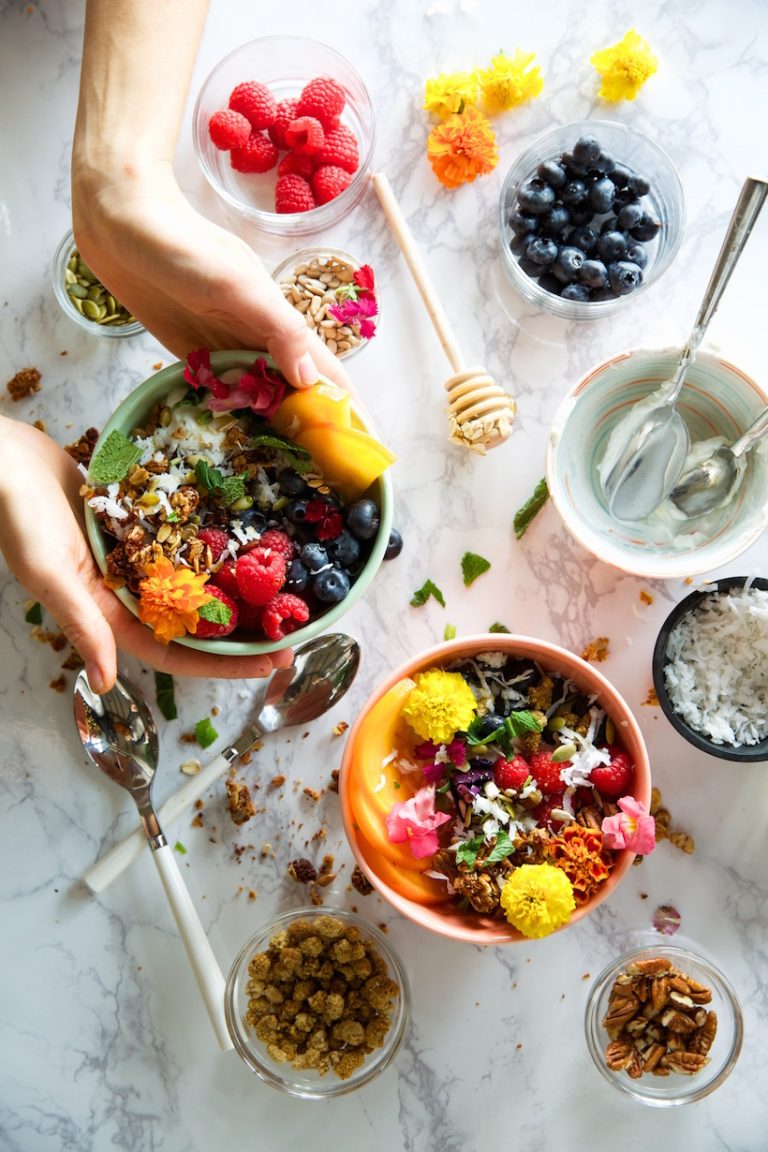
(711, 483)
(119, 737)
(649, 445)
(321, 673)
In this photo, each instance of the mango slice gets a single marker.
(371, 823)
(349, 459)
(323, 403)
(409, 884)
(382, 731)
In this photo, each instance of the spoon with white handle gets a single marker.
(708, 485)
(321, 673)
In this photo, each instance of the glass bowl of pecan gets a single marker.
(317, 1002)
(663, 1025)
(337, 295)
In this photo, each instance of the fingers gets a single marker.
(73, 607)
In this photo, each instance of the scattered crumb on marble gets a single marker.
(646, 597)
(267, 851)
(360, 881)
(277, 781)
(198, 821)
(597, 650)
(251, 894)
(312, 794)
(651, 700)
(190, 767)
(24, 383)
(334, 784)
(340, 728)
(198, 804)
(58, 685)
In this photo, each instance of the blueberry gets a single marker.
(604, 164)
(610, 224)
(621, 175)
(638, 184)
(487, 725)
(623, 196)
(536, 196)
(629, 216)
(550, 283)
(611, 246)
(541, 251)
(344, 550)
(522, 222)
(530, 269)
(296, 511)
(581, 215)
(585, 238)
(624, 277)
(601, 194)
(586, 150)
(572, 166)
(331, 585)
(594, 274)
(637, 254)
(578, 292)
(290, 483)
(313, 556)
(645, 229)
(252, 518)
(574, 192)
(296, 578)
(518, 244)
(569, 261)
(551, 171)
(363, 519)
(556, 220)
(394, 545)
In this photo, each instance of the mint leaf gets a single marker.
(423, 594)
(473, 566)
(524, 721)
(501, 849)
(232, 488)
(114, 460)
(164, 694)
(473, 732)
(215, 611)
(498, 627)
(449, 632)
(206, 476)
(205, 733)
(34, 614)
(531, 508)
(468, 850)
(179, 847)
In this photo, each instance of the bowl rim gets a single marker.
(63, 250)
(674, 567)
(684, 950)
(490, 931)
(585, 310)
(382, 1057)
(752, 753)
(287, 223)
(165, 379)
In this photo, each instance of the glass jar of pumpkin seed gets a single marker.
(84, 298)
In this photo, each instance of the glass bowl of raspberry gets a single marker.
(232, 513)
(495, 789)
(317, 1002)
(663, 1024)
(284, 130)
(590, 215)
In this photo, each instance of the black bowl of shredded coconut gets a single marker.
(710, 668)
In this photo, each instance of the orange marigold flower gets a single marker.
(582, 855)
(169, 599)
(462, 148)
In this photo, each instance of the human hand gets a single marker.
(39, 486)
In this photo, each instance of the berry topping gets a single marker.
(394, 545)
(260, 574)
(331, 585)
(614, 779)
(543, 812)
(328, 182)
(213, 619)
(295, 164)
(511, 774)
(313, 556)
(283, 614)
(305, 135)
(258, 154)
(226, 579)
(340, 149)
(363, 519)
(216, 539)
(344, 550)
(255, 102)
(546, 773)
(228, 129)
(284, 114)
(324, 99)
(279, 542)
(293, 194)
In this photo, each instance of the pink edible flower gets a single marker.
(631, 828)
(416, 821)
(258, 388)
(357, 312)
(198, 372)
(364, 279)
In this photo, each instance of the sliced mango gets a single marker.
(409, 884)
(349, 459)
(383, 731)
(371, 822)
(323, 403)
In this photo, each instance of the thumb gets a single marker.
(87, 630)
(289, 344)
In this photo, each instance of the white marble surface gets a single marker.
(104, 1041)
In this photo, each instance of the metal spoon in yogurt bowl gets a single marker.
(712, 482)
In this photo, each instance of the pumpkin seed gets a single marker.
(77, 290)
(564, 752)
(242, 504)
(91, 309)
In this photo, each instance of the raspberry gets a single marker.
(543, 812)
(340, 149)
(293, 194)
(614, 779)
(284, 614)
(324, 99)
(208, 628)
(216, 539)
(511, 773)
(255, 102)
(258, 154)
(305, 135)
(278, 541)
(286, 111)
(546, 774)
(260, 575)
(294, 164)
(228, 129)
(225, 578)
(328, 182)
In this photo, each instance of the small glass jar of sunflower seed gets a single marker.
(336, 295)
(84, 298)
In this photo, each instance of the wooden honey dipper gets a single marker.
(480, 413)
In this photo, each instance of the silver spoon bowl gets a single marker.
(713, 482)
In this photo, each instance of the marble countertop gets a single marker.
(105, 1042)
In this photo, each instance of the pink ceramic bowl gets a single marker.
(447, 919)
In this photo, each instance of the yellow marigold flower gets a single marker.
(169, 599)
(624, 67)
(462, 148)
(509, 81)
(440, 705)
(537, 899)
(450, 92)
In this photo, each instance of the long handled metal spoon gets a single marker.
(648, 446)
(119, 737)
(707, 485)
(321, 673)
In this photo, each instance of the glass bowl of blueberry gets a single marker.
(590, 214)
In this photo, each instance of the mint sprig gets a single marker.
(525, 515)
(215, 612)
(228, 488)
(114, 460)
(165, 696)
(205, 733)
(423, 594)
(473, 566)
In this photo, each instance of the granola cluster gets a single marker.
(320, 997)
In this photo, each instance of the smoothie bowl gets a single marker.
(232, 513)
(496, 788)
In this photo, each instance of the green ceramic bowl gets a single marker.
(133, 411)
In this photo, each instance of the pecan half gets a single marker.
(684, 1063)
(702, 1041)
